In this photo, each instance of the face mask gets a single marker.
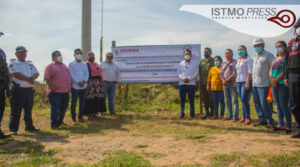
(187, 57)
(206, 55)
(241, 53)
(217, 63)
(279, 50)
(258, 49)
(298, 31)
(91, 59)
(78, 57)
(22, 57)
(59, 59)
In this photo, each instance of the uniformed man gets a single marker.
(204, 66)
(292, 76)
(24, 74)
(5, 81)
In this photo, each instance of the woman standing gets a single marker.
(214, 83)
(243, 82)
(279, 90)
(95, 101)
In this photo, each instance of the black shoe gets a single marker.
(271, 125)
(192, 117)
(181, 117)
(296, 135)
(81, 120)
(33, 129)
(204, 117)
(54, 128)
(3, 136)
(260, 124)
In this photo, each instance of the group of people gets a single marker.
(222, 82)
(87, 81)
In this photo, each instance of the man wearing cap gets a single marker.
(204, 66)
(261, 65)
(292, 76)
(79, 76)
(58, 80)
(5, 81)
(24, 74)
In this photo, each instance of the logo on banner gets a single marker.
(255, 20)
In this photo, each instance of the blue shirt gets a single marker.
(79, 72)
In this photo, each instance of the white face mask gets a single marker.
(78, 57)
(59, 59)
(279, 50)
(187, 57)
(298, 31)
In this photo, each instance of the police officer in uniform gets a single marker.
(24, 74)
(292, 76)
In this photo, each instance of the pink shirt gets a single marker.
(95, 69)
(59, 75)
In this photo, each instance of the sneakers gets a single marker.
(98, 114)
(221, 117)
(260, 124)
(296, 135)
(226, 118)
(3, 136)
(32, 129)
(13, 133)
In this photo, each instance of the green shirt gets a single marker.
(204, 67)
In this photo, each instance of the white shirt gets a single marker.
(110, 72)
(261, 68)
(243, 68)
(26, 68)
(79, 72)
(187, 70)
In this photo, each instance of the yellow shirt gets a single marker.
(214, 79)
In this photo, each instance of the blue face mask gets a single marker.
(217, 63)
(258, 49)
(241, 53)
(206, 55)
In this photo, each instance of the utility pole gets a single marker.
(86, 28)
(101, 40)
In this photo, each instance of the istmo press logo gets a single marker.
(255, 20)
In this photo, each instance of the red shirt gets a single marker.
(59, 75)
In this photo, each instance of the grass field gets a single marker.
(146, 132)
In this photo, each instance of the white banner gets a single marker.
(153, 63)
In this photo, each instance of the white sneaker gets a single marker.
(13, 133)
(98, 114)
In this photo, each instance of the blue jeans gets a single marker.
(190, 90)
(218, 98)
(262, 106)
(229, 93)
(110, 88)
(59, 103)
(281, 97)
(81, 93)
(244, 97)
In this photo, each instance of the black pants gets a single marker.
(294, 92)
(21, 98)
(2, 104)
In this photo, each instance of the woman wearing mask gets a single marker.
(95, 101)
(243, 82)
(279, 90)
(214, 83)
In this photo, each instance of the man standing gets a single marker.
(59, 85)
(5, 81)
(187, 74)
(24, 74)
(79, 76)
(110, 73)
(261, 66)
(227, 75)
(204, 66)
(292, 76)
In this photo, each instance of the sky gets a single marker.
(43, 26)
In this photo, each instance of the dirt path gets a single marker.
(167, 150)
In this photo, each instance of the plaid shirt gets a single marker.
(228, 69)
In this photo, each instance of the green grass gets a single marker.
(141, 146)
(224, 160)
